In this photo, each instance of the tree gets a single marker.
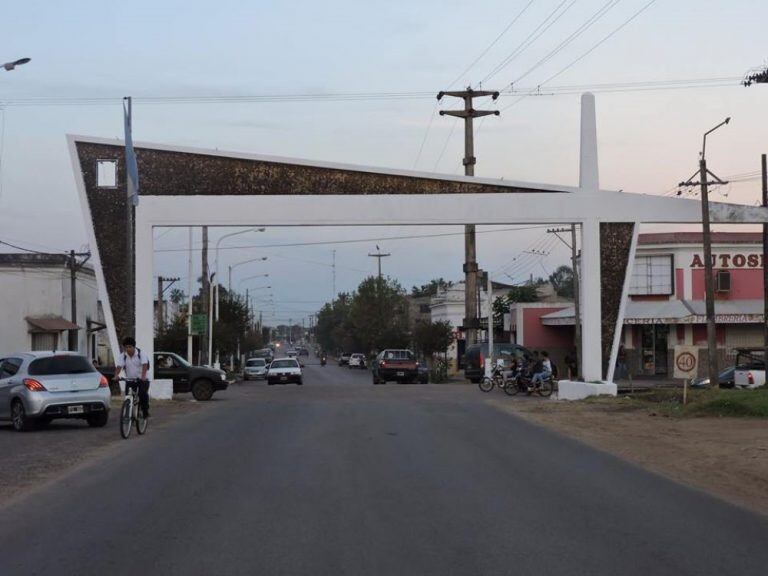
(562, 281)
(378, 316)
(331, 323)
(432, 337)
(178, 296)
(430, 289)
(524, 293)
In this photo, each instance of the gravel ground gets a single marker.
(35, 457)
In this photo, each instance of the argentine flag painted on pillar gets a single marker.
(131, 166)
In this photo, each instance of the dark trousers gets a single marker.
(143, 387)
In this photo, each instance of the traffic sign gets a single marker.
(686, 361)
(199, 324)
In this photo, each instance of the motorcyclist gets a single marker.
(323, 359)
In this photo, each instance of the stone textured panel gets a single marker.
(615, 245)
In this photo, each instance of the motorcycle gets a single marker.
(323, 361)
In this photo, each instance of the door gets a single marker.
(8, 369)
(169, 368)
(661, 349)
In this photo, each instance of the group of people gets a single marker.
(537, 366)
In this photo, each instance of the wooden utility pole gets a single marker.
(379, 256)
(765, 262)
(709, 281)
(72, 337)
(471, 320)
(206, 297)
(576, 288)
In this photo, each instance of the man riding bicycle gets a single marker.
(135, 365)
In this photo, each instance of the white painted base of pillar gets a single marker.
(161, 389)
(571, 390)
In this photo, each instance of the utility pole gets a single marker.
(576, 289)
(204, 338)
(765, 261)
(471, 322)
(73, 300)
(161, 290)
(190, 337)
(333, 296)
(72, 343)
(379, 256)
(709, 288)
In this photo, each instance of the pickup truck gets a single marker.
(201, 381)
(397, 365)
(750, 368)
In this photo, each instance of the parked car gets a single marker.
(395, 365)
(36, 387)
(200, 380)
(750, 368)
(344, 358)
(265, 353)
(255, 369)
(475, 355)
(284, 371)
(357, 361)
(725, 377)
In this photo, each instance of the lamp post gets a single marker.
(233, 266)
(216, 266)
(8, 66)
(714, 379)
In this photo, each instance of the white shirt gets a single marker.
(131, 365)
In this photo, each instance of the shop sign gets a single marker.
(686, 361)
(730, 261)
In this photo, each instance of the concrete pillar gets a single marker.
(145, 334)
(589, 177)
(591, 311)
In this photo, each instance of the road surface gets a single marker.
(342, 477)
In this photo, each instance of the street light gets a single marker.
(216, 266)
(708, 268)
(12, 65)
(233, 266)
(240, 283)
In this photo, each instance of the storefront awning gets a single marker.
(675, 312)
(50, 324)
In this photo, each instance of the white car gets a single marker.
(255, 369)
(357, 361)
(285, 371)
(41, 386)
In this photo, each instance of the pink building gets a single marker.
(666, 299)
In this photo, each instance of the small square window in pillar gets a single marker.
(106, 173)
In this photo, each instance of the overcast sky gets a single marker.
(648, 139)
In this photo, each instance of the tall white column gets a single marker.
(591, 311)
(145, 333)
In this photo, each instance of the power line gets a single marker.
(356, 240)
(530, 39)
(578, 32)
(492, 44)
(590, 50)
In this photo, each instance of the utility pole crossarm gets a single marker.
(468, 93)
(471, 113)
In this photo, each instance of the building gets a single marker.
(666, 304)
(35, 305)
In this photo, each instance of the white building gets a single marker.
(35, 305)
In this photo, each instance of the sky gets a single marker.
(648, 140)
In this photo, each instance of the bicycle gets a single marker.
(130, 411)
(521, 382)
(498, 378)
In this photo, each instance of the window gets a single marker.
(106, 173)
(65, 364)
(44, 341)
(652, 275)
(723, 281)
(9, 367)
(284, 364)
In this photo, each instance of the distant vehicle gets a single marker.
(476, 354)
(750, 368)
(726, 379)
(357, 361)
(255, 369)
(284, 371)
(292, 353)
(344, 358)
(303, 351)
(37, 387)
(200, 380)
(396, 365)
(265, 353)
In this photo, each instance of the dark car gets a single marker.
(200, 380)
(396, 365)
(474, 358)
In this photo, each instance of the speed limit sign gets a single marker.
(686, 361)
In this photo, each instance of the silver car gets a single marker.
(41, 386)
(255, 369)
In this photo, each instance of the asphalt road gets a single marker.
(342, 477)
